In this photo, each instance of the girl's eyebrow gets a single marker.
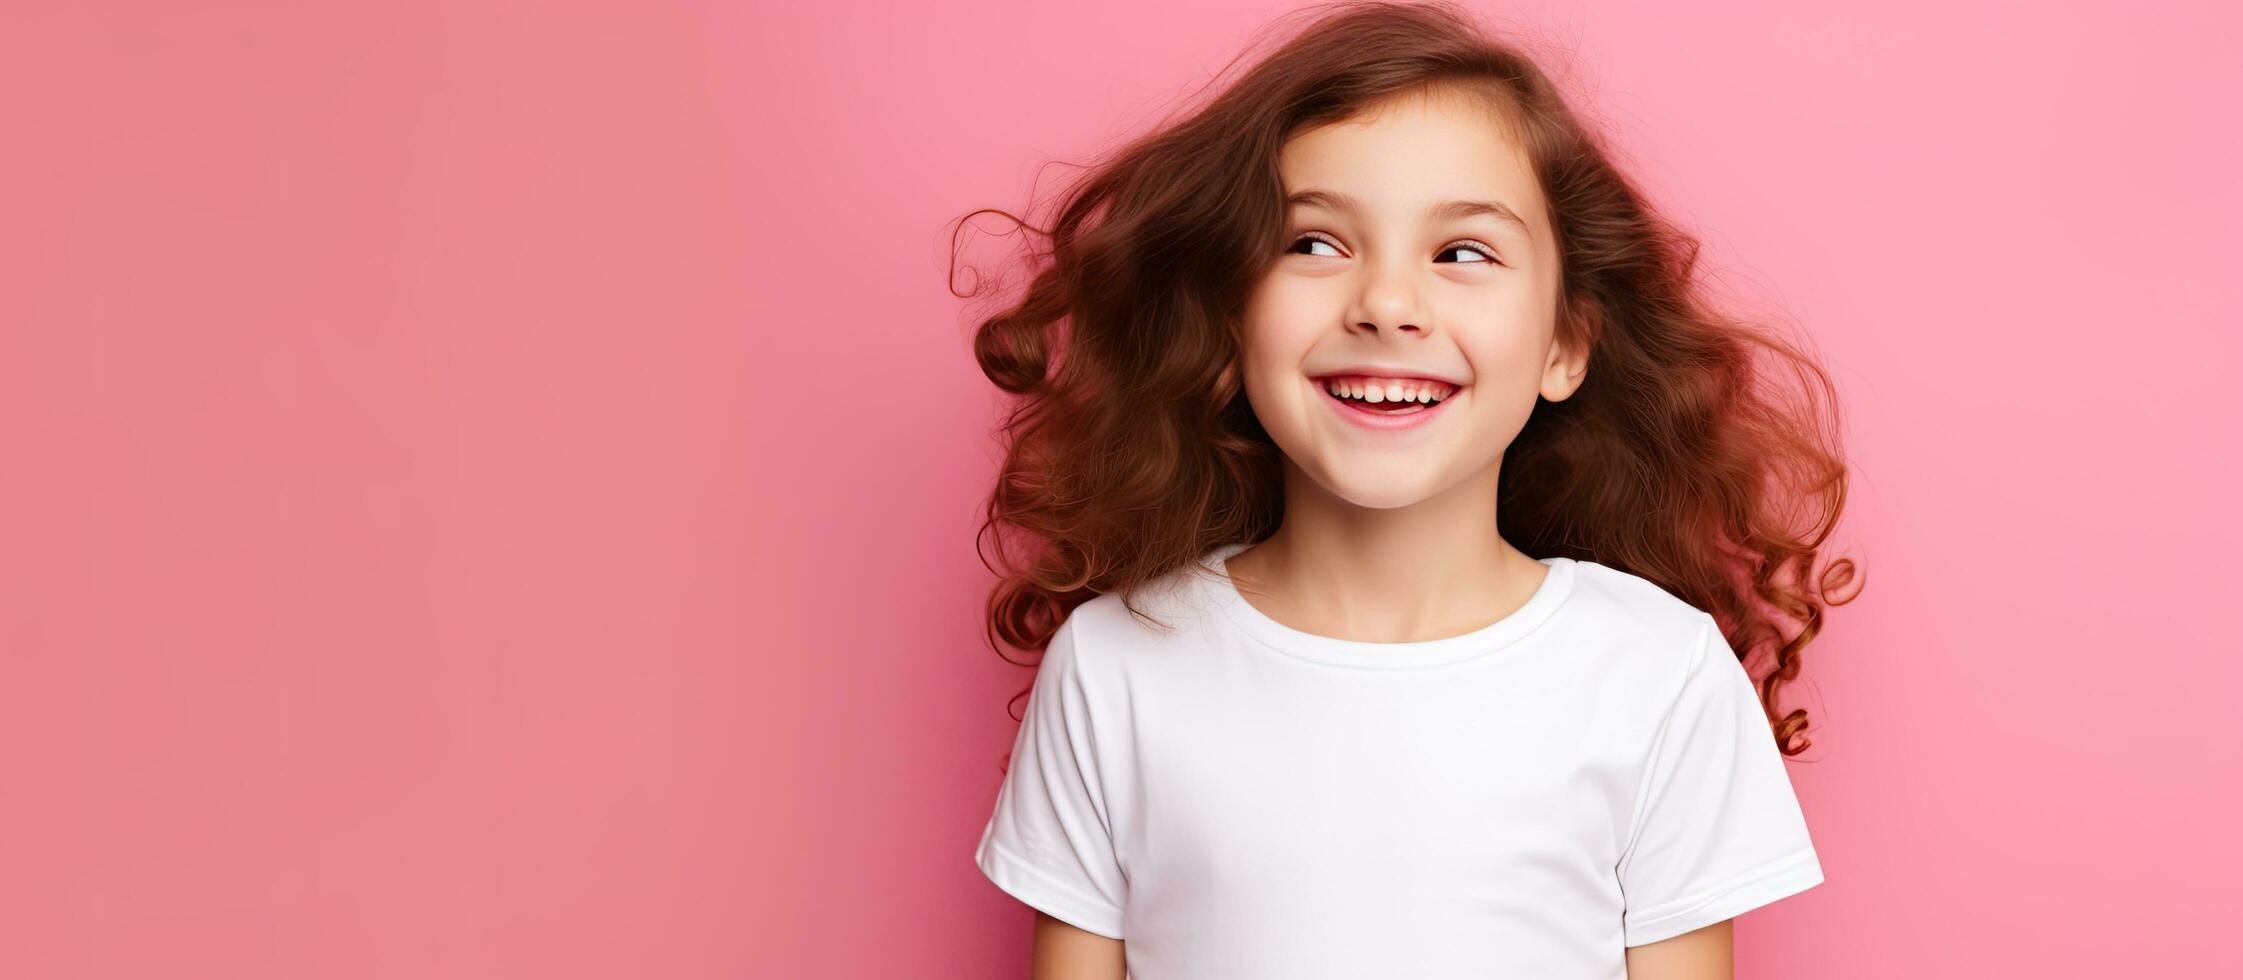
(1444, 211)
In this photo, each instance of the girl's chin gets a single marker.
(1381, 485)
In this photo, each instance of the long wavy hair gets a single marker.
(1699, 452)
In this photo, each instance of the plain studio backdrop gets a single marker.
(490, 487)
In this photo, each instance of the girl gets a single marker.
(1400, 513)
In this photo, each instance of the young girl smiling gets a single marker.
(1397, 512)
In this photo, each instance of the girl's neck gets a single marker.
(1433, 569)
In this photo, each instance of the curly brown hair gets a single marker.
(1131, 450)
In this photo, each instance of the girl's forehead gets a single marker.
(1409, 157)
(1457, 114)
(1401, 130)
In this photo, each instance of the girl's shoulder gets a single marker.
(1631, 617)
(1160, 610)
(1624, 598)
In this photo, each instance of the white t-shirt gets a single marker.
(1240, 800)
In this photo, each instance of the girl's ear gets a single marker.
(1569, 358)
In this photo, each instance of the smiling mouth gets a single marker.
(1387, 416)
(1410, 398)
(1383, 408)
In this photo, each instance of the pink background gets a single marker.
(490, 487)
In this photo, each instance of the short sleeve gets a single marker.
(1050, 841)
(1718, 830)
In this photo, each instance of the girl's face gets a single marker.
(1419, 257)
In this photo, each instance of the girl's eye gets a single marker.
(1486, 255)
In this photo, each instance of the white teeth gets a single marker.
(1391, 392)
